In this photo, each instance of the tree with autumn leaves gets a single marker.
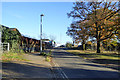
(75, 31)
(97, 20)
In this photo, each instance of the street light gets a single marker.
(41, 34)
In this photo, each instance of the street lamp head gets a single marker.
(41, 15)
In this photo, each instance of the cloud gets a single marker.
(18, 16)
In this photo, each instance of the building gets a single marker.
(25, 43)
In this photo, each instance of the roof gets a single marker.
(12, 29)
(45, 39)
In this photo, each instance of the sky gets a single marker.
(25, 16)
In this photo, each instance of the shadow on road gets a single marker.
(29, 70)
(115, 64)
(84, 73)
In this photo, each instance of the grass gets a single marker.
(47, 55)
(48, 58)
(92, 55)
(10, 56)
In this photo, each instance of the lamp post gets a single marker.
(41, 34)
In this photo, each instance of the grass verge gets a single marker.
(93, 55)
(10, 56)
(109, 59)
(47, 55)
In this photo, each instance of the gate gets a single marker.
(4, 47)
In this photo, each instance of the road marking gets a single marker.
(62, 73)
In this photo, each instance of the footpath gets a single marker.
(35, 67)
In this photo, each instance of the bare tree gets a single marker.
(52, 37)
(44, 36)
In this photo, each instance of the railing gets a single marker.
(4, 47)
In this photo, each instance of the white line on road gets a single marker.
(60, 70)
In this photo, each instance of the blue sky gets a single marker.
(25, 16)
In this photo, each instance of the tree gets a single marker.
(12, 37)
(79, 33)
(44, 36)
(110, 44)
(118, 31)
(68, 44)
(100, 19)
(52, 37)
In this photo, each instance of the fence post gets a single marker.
(8, 46)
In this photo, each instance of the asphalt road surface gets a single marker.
(64, 66)
(69, 66)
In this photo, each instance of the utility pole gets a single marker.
(41, 34)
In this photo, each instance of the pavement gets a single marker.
(36, 67)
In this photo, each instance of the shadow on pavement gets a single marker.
(29, 70)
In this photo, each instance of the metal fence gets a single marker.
(4, 47)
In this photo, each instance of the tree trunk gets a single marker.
(98, 46)
(83, 45)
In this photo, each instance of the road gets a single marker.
(69, 66)
(63, 66)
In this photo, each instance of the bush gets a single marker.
(48, 59)
(69, 45)
(47, 55)
(43, 53)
